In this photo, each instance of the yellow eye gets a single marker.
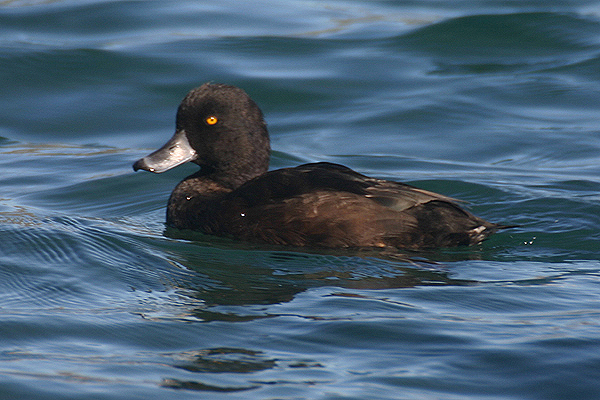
(211, 120)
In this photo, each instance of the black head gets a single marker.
(221, 129)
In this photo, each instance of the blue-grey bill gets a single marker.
(175, 152)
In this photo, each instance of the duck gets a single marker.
(321, 205)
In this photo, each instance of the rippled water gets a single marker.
(496, 103)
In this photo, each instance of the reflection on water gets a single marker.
(226, 360)
(234, 276)
(231, 360)
(194, 385)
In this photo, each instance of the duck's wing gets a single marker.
(308, 178)
(400, 196)
(395, 195)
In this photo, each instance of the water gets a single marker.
(496, 103)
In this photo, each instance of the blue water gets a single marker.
(496, 103)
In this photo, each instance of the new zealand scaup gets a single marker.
(321, 204)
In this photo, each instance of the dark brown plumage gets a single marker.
(321, 204)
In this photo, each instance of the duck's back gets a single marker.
(329, 205)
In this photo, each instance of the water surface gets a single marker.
(495, 103)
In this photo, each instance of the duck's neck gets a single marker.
(244, 163)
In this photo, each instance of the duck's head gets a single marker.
(221, 129)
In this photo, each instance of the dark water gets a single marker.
(496, 103)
